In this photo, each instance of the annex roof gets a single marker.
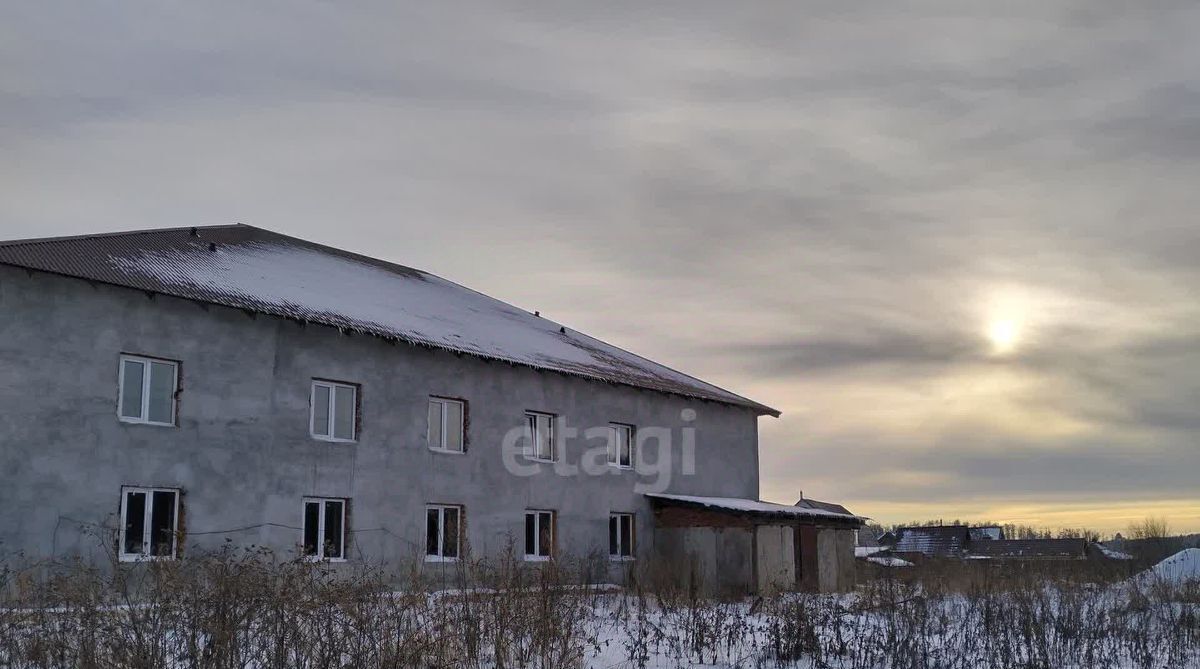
(752, 506)
(259, 270)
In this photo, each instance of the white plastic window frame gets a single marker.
(143, 417)
(531, 422)
(441, 533)
(462, 427)
(330, 411)
(539, 515)
(320, 556)
(148, 515)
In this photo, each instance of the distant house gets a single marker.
(937, 541)
(1030, 549)
(806, 503)
(959, 542)
(987, 532)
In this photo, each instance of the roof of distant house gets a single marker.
(936, 541)
(987, 532)
(258, 270)
(825, 506)
(1030, 549)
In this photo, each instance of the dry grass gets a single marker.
(248, 609)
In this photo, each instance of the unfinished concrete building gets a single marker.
(168, 391)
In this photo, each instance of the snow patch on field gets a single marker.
(1178, 569)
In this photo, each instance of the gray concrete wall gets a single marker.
(775, 557)
(835, 560)
(846, 573)
(735, 560)
(827, 560)
(241, 451)
(714, 560)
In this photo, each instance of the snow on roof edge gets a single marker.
(752, 506)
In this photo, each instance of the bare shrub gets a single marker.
(245, 608)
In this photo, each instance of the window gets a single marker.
(540, 429)
(147, 390)
(620, 536)
(442, 527)
(539, 535)
(149, 517)
(620, 445)
(446, 425)
(324, 528)
(334, 411)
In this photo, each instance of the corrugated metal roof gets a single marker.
(826, 506)
(987, 532)
(250, 268)
(937, 541)
(752, 506)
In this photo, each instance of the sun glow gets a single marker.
(1003, 333)
(1006, 314)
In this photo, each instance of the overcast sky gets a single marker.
(957, 247)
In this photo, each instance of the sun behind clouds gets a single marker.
(1004, 334)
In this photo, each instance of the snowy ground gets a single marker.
(1151, 621)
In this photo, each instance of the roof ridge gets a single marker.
(362, 257)
(120, 233)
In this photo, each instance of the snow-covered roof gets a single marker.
(1112, 553)
(250, 268)
(752, 506)
(939, 540)
(818, 504)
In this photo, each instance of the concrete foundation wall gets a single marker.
(847, 574)
(835, 560)
(713, 560)
(827, 560)
(241, 452)
(775, 557)
(735, 564)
